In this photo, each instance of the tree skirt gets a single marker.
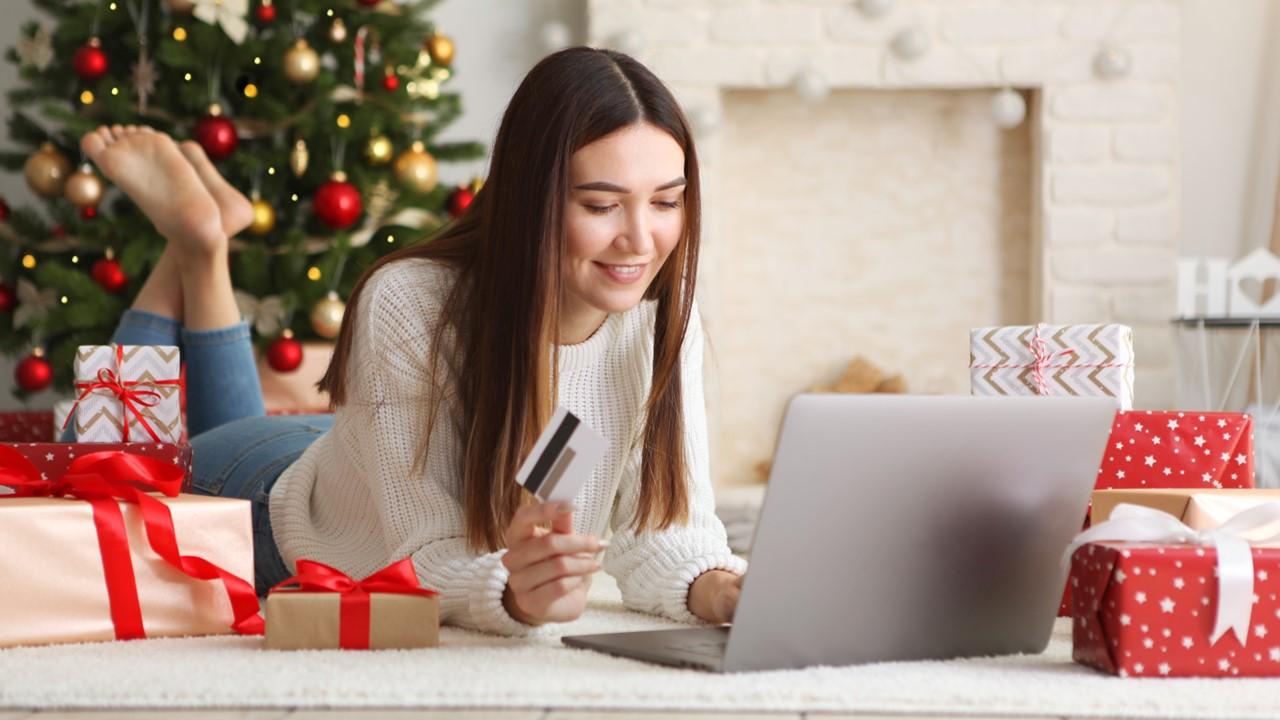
(476, 670)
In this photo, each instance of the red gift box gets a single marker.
(52, 459)
(1170, 449)
(1149, 610)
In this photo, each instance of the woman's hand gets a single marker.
(550, 570)
(713, 596)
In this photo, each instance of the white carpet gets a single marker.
(474, 670)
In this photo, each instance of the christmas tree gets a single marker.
(324, 112)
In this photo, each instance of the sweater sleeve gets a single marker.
(416, 486)
(654, 569)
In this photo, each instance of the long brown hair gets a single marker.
(508, 249)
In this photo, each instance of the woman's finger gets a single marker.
(539, 549)
(525, 522)
(553, 590)
(539, 574)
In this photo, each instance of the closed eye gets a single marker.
(599, 209)
(667, 204)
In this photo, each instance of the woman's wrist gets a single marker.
(509, 603)
(703, 592)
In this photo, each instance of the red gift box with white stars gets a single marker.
(52, 459)
(1175, 449)
(1145, 610)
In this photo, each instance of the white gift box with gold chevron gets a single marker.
(1058, 360)
(127, 393)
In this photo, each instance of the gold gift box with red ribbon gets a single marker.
(323, 608)
(127, 393)
(109, 550)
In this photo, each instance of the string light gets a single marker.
(75, 259)
(251, 90)
(187, 77)
(180, 33)
(115, 91)
(257, 60)
(271, 170)
(86, 97)
(344, 121)
(294, 197)
(391, 239)
(28, 261)
(63, 299)
(313, 273)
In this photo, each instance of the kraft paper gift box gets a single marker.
(1053, 360)
(83, 570)
(322, 608)
(127, 393)
(1196, 508)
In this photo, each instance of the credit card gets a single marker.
(562, 460)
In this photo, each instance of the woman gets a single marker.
(569, 281)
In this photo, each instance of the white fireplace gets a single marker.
(891, 216)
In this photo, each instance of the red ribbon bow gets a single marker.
(353, 618)
(124, 390)
(104, 479)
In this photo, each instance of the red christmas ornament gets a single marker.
(390, 82)
(89, 62)
(34, 373)
(369, 3)
(109, 275)
(337, 202)
(57, 230)
(216, 134)
(8, 298)
(266, 12)
(459, 200)
(4, 209)
(88, 213)
(284, 354)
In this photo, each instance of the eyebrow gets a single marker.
(610, 187)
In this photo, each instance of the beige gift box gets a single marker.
(54, 588)
(1198, 509)
(101, 415)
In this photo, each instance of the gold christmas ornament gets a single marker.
(326, 316)
(379, 150)
(299, 157)
(441, 49)
(301, 63)
(338, 31)
(416, 169)
(47, 170)
(264, 216)
(83, 188)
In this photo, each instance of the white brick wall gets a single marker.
(1105, 216)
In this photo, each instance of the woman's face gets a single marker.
(624, 215)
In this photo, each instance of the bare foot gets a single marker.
(148, 166)
(236, 211)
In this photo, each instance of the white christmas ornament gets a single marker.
(555, 36)
(1257, 267)
(37, 50)
(267, 315)
(629, 42)
(1111, 63)
(230, 14)
(811, 85)
(1008, 109)
(875, 8)
(910, 43)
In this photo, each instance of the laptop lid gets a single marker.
(907, 527)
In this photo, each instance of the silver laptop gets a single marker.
(901, 528)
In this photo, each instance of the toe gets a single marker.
(105, 133)
(118, 131)
(92, 143)
(194, 153)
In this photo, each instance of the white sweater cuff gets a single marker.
(484, 599)
(674, 591)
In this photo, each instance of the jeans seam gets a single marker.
(221, 336)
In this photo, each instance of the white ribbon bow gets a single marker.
(1232, 540)
(230, 14)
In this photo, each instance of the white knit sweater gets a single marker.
(356, 501)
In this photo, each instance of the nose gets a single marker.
(637, 236)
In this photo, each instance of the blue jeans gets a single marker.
(237, 451)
